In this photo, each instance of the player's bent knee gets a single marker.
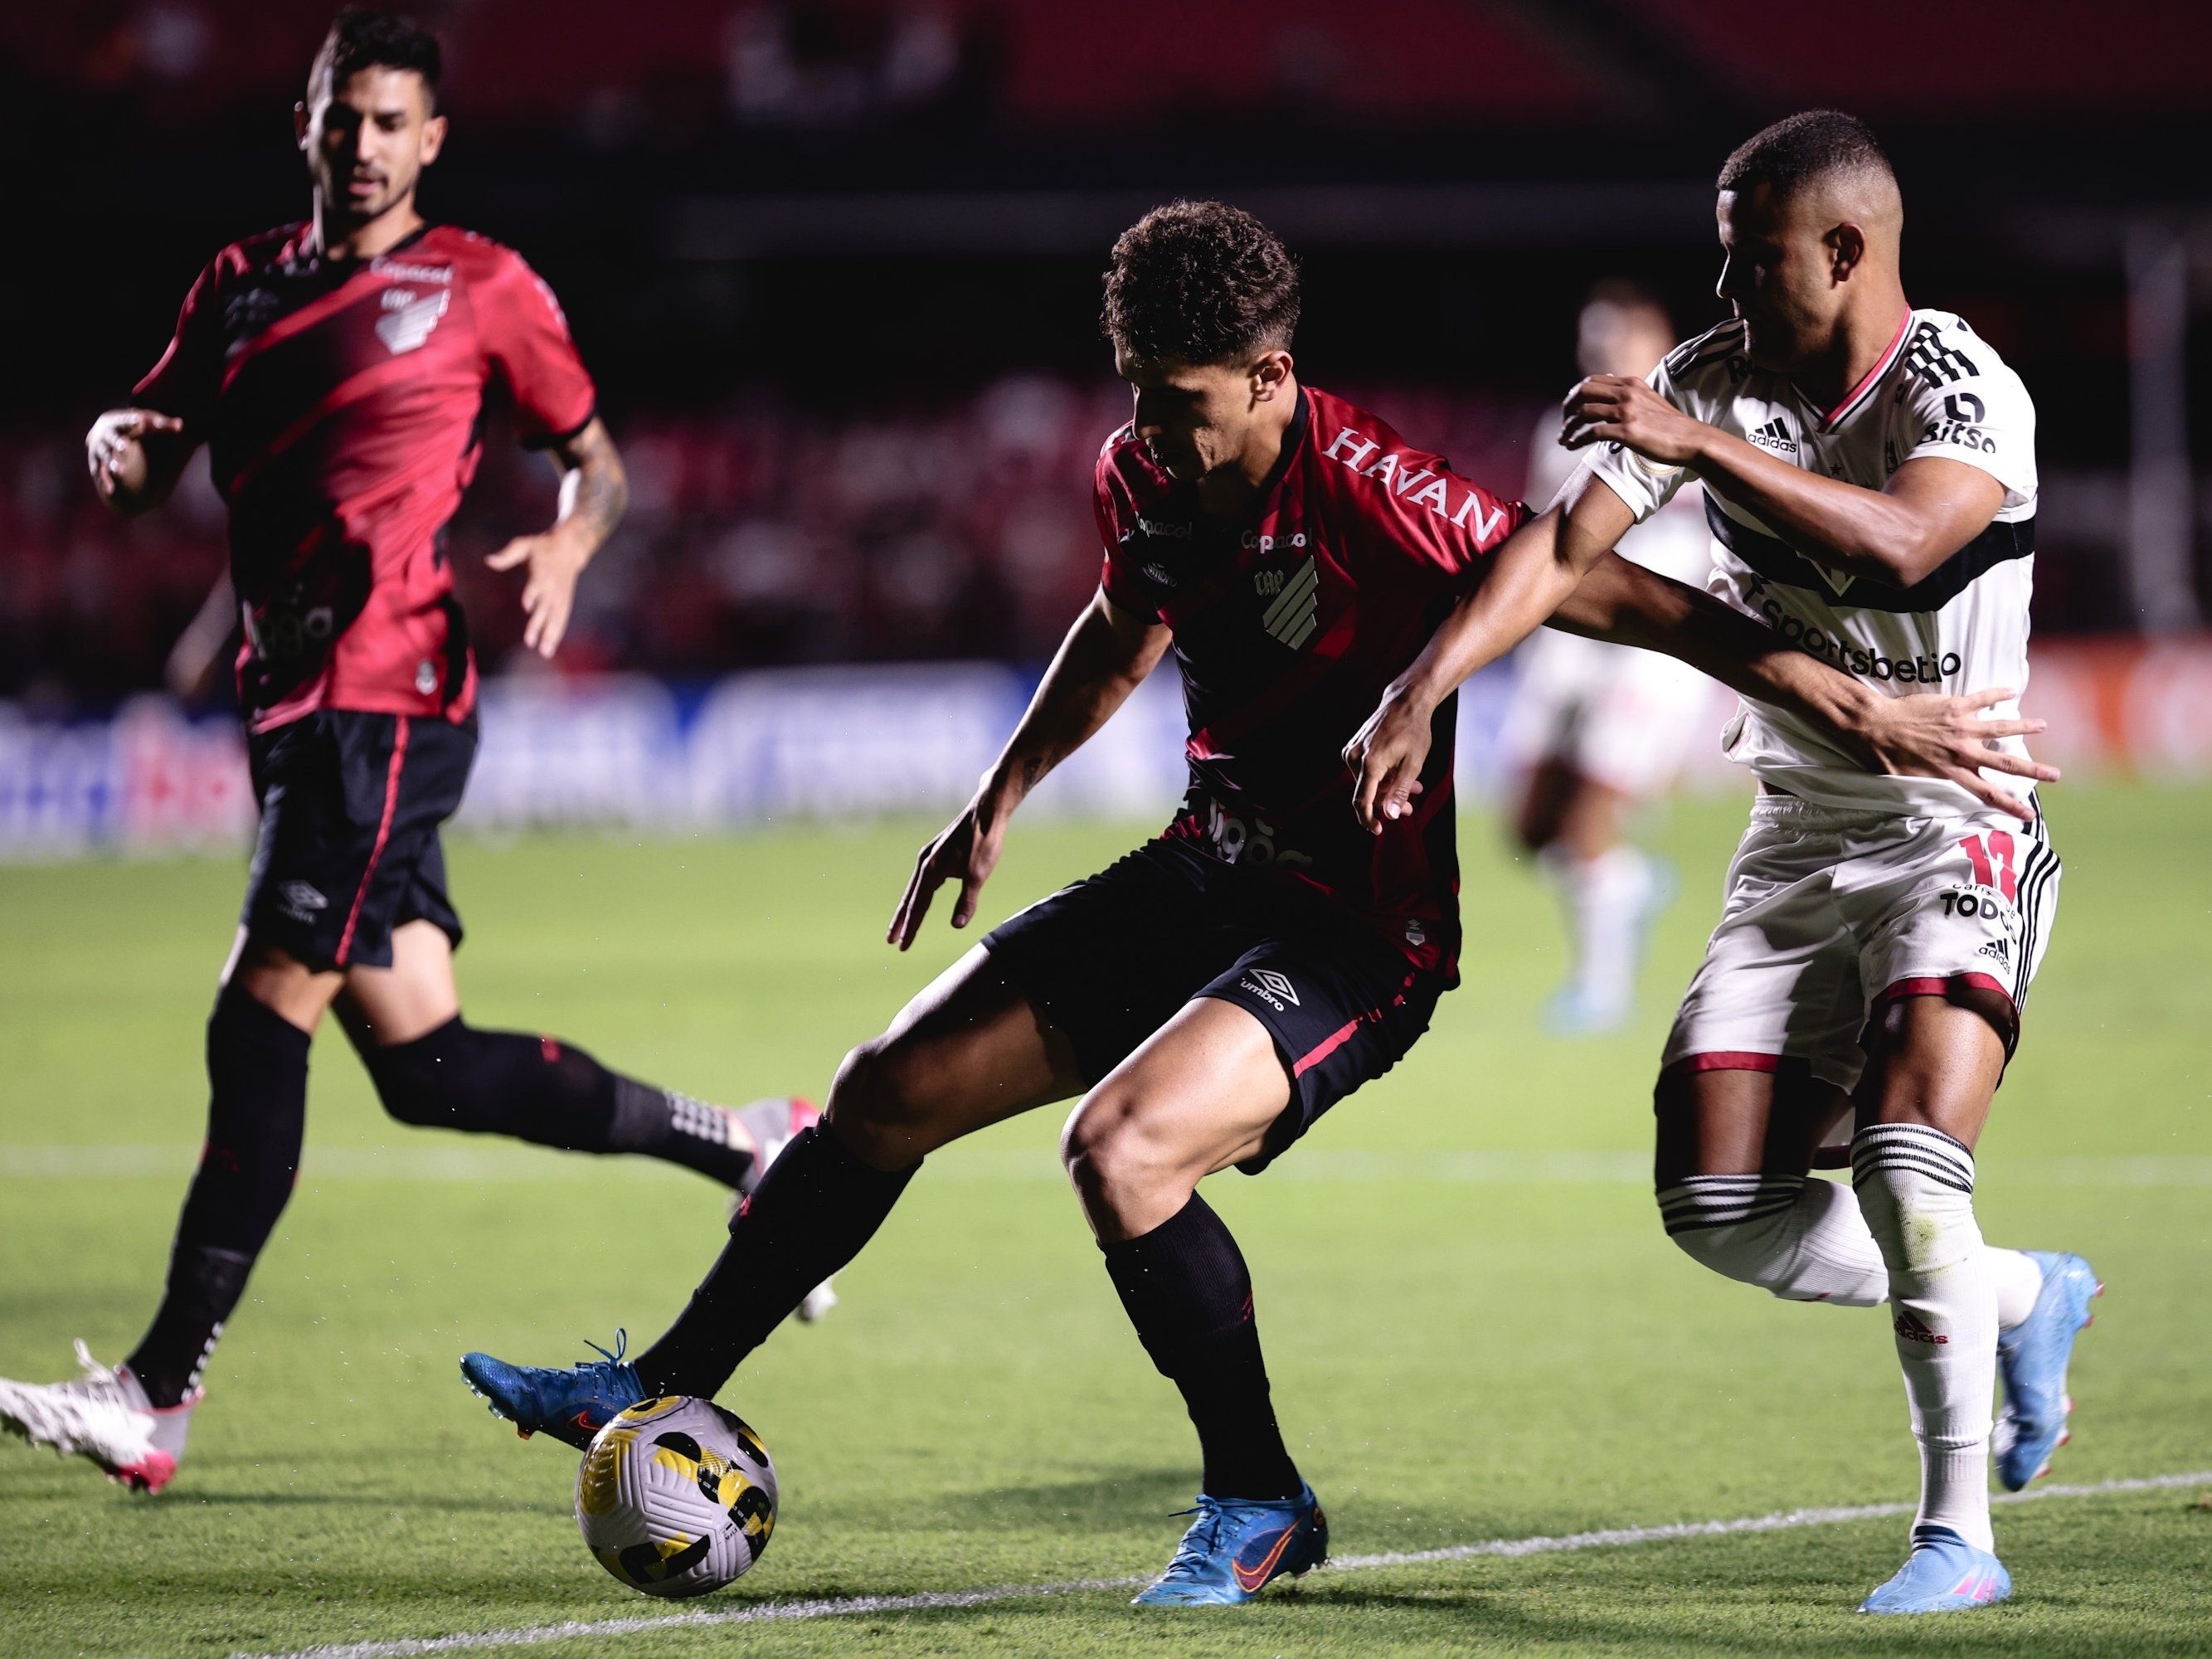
(885, 1098)
(1108, 1155)
(1798, 1239)
(416, 1081)
(493, 1083)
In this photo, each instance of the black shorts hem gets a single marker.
(1110, 960)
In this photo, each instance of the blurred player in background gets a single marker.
(1208, 997)
(337, 370)
(1593, 729)
(1870, 479)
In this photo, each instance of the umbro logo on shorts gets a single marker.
(300, 901)
(1272, 989)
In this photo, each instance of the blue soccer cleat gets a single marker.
(571, 1404)
(1943, 1574)
(2032, 1356)
(1235, 1547)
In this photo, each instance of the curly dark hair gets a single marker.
(1800, 148)
(363, 38)
(1200, 282)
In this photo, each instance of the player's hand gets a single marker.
(1385, 758)
(549, 597)
(1621, 408)
(1930, 735)
(115, 452)
(967, 851)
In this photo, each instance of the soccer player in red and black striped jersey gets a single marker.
(1209, 995)
(336, 370)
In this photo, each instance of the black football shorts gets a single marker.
(350, 807)
(1110, 959)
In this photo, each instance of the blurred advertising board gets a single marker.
(842, 743)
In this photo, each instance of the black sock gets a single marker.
(540, 1090)
(256, 1065)
(814, 1209)
(1186, 1289)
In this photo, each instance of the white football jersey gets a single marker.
(1673, 541)
(1940, 390)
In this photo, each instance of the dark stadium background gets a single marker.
(836, 268)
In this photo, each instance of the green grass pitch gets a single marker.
(1495, 1344)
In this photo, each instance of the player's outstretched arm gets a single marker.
(1530, 576)
(136, 457)
(1925, 735)
(1104, 658)
(594, 491)
(1930, 509)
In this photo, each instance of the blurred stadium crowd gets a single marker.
(663, 66)
(760, 214)
(763, 535)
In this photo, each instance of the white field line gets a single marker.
(931, 1601)
(430, 1160)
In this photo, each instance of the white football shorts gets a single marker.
(1619, 716)
(1830, 913)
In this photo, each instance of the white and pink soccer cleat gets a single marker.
(104, 1416)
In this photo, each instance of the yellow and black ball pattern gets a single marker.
(675, 1497)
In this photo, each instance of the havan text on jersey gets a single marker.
(1286, 626)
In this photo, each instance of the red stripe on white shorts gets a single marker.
(1940, 985)
(1727, 1060)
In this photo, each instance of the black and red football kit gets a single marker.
(341, 402)
(1264, 891)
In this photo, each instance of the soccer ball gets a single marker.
(677, 1497)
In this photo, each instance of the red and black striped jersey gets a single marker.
(340, 401)
(1287, 629)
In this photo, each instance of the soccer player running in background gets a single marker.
(1595, 729)
(1869, 471)
(1208, 997)
(337, 369)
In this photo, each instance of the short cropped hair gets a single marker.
(363, 38)
(1814, 144)
(1201, 283)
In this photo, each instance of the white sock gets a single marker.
(1916, 1186)
(1605, 898)
(1807, 1241)
(1803, 1240)
(2018, 1281)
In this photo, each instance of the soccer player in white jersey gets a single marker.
(1869, 472)
(1593, 728)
